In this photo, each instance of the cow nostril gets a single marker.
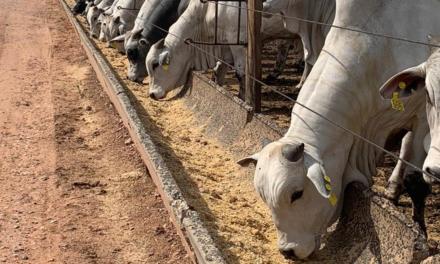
(428, 170)
(152, 96)
(289, 254)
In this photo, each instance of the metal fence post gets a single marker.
(253, 64)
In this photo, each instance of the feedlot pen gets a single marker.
(218, 189)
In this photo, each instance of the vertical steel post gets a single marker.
(253, 64)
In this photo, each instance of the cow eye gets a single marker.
(155, 65)
(295, 196)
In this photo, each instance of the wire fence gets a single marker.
(283, 16)
(331, 122)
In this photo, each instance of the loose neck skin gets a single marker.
(344, 82)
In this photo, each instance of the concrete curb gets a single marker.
(194, 235)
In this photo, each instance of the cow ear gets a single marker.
(405, 82)
(316, 174)
(117, 43)
(164, 58)
(248, 160)
(120, 38)
(122, 29)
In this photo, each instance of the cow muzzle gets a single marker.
(157, 94)
(435, 171)
(299, 251)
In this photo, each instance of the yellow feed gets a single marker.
(212, 183)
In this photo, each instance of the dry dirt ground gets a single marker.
(72, 187)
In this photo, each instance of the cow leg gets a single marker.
(417, 190)
(395, 184)
(283, 52)
(307, 70)
(414, 184)
(220, 70)
(239, 57)
(242, 91)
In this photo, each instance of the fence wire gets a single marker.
(356, 135)
(335, 26)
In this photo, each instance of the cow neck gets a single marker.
(193, 24)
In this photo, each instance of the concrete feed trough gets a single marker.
(371, 230)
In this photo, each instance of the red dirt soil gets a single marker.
(73, 188)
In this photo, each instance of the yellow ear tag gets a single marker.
(327, 178)
(328, 187)
(396, 104)
(165, 67)
(402, 85)
(333, 200)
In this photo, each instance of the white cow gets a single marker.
(137, 42)
(176, 59)
(92, 19)
(312, 35)
(425, 76)
(123, 17)
(93, 14)
(197, 23)
(103, 21)
(302, 176)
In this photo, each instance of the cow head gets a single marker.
(136, 47)
(93, 20)
(301, 196)
(167, 68)
(115, 28)
(103, 20)
(425, 76)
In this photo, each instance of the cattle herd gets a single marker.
(371, 85)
